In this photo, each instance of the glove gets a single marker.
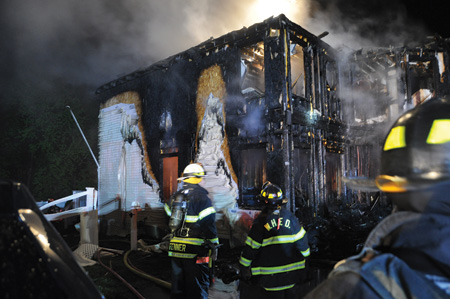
(245, 273)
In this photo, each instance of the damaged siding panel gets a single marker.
(122, 165)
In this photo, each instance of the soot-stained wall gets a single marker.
(169, 104)
(282, 133)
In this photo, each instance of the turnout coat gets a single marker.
(275, 249)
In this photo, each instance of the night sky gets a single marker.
(434, 14)
(94, 42)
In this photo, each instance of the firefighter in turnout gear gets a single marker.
(407, 255)
(194, 236)
(273, 259)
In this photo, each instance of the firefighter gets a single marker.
(407, 255)
(194, 236)
(273, 259)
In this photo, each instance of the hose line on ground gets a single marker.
(129, 286)
(143, 274)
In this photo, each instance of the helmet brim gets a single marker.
(187, 177)
(388, 184)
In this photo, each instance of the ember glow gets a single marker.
(295, 9)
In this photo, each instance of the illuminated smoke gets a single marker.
(93, 42)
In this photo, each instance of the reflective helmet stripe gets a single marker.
(192, 180)
(197, 173)
(273, 195)
(439, 132)
(395, 139)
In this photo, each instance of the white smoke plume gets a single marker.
(95, 41)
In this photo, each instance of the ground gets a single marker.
(114, 278)
(339, 234)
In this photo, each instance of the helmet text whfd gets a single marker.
(193, 173)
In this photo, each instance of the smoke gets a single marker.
(252, 124)
(371, 24)
(365, 24)
(93, 42)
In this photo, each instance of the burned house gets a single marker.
(380, 84)
(260, 103)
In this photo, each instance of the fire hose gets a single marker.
(129, 286)
(135, 270)
(143, 274)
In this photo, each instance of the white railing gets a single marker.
(91, 204)
(88, 214)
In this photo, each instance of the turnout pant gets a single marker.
(189, 279)
(248, 290)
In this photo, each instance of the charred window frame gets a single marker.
(297, 70)
(333, 102)
(370, 99)
(252, 69)
(361, 162)
(302, 67)
(334, 175)
(421, 76)
(253, 173)
(301, 175)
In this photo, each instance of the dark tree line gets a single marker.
(41, 145)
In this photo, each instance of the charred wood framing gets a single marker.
(382, 83)
(292, 114)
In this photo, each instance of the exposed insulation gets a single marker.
(121, 162)
(132, 97)
(213, 152)
(211, 82)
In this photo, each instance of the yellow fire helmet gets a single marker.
(193, 173)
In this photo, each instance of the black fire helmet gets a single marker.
(416, 151)
(272, 195)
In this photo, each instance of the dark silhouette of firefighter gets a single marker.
(273, 259)
(407, 255)
(194, 236)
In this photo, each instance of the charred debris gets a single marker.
(283, 106)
